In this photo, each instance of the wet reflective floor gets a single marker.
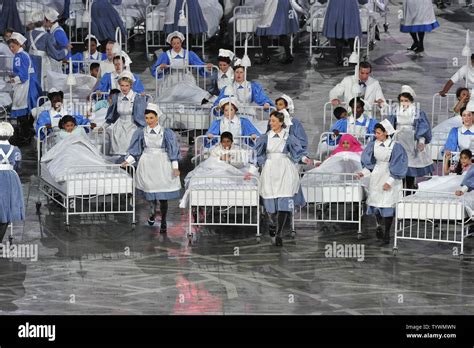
(104, 266)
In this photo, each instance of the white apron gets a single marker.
(405, 136)
(234, 128)
(225, 81)
(279, 176)
(357, 131)
(44, 57)
(20, 90)
(464, 140)
(123, 128)
(155, 172)
(4, 162)
(377, 196)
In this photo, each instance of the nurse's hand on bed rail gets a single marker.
(163, 66)
(360, 175)
(176, 172)
(248, 176)
(386, 187)
(421, 147)
(210, 136)
(266, 106)
(209, 66)
(124, 164)
(447, 154)
(309, 161)
(253, 136)
(459, 193)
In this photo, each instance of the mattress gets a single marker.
(185, 118)
(334, 193)
(222, 195)
(92, 183)
(420, 208)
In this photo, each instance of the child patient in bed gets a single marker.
(227, 152)
(459, 167)
(68, 126)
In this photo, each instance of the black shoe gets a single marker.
(419, 50)
(163, 227)
(413, 47)
(288, 60)
(151, 220)
(278, 241)
(204, 101)
(379, 232)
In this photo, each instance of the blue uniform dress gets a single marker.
(468, 180)
(278, 156)
(197, 22)
(52, 117)
(11, 198)
(105, 84)
(246, 93)
(239, 126)
(24, 72)
(105, 20)
(418, 16)
(165, 58)
(459, 138)
(82, 56)
(342, 20)
(412, 128)
(9, 17)
(157, 152)
(284, 22)
(60, 39)
(388, 163)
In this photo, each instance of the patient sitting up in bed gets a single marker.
(68, 126)
(227, 152)
(459, 167)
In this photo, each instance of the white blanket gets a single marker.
(83, 87)
(72, 151)
(224, 174)
(342, 162)
(440, 132)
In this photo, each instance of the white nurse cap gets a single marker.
(409, 90)
(155, 108)
(174, 34)
(388, 126)
(6, 129)
(51, 15)
(18, 37)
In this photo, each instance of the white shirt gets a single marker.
(461, 75)
(344, 90)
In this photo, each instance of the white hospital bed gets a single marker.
(75, 175)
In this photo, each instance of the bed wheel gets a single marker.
(461, 257)
(10, 239)
(395, 251)
(190, 238)
(385, 27)
(259, 239)
(38, 208)
(359, 235)
(293, 234)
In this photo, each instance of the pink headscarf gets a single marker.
(354, 145)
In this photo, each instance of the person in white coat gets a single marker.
(385, 163)
(368, 87)
(466, 73)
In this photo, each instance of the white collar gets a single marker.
(235, 119)
(129, 96)
(243, 84)
(464, 129)
(174, 54)
(229, 73)
(386, 143)
(157, 129)
(4, 142)
(54, 26)
(280, 135)
(20, 50)
(361, 118)
(40, 29)
(93, 55)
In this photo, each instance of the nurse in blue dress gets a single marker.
(230, 122)
(196, 20)
(125, 115)
(61, 41)
(157, 151)
(341, 23)
(460, 138)
(84, 56)
(105, 20)
(11, 198)
(278, 154)
(413, 132)
(50, 118)
(285, 105)
(26, 88)
(109, 81)
(280, 19)
(385, 163)
(246, 92)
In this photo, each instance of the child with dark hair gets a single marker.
(459, 167)
(68, 126)
(463, 96)
(227, 152)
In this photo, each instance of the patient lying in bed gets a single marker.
(226, 167)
